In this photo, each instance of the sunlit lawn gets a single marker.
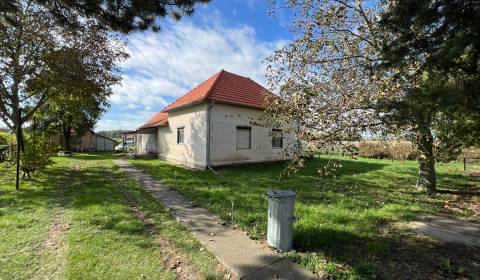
(74, 222)
(339, 220)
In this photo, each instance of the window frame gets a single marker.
(274, 133)
(182, 128)
(240, 127)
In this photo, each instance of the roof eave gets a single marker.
(151, 126)
(191, 104)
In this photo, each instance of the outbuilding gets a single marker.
(89, 141)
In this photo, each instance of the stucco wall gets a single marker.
(146, 142)
(224, 120)
(193, 152)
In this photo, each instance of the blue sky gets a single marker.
(235, 35)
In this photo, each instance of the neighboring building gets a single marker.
(216, 123)
(89, 141)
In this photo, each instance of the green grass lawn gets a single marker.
(346, 227)
(85, 219)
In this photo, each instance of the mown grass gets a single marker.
(341, 221)
(74, 221)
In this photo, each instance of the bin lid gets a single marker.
(281, 194)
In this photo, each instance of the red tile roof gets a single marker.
(223, 87)
(159, 119)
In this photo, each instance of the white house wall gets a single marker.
(224, 120)
(192, 152)
(146, 142)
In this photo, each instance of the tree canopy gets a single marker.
(36, 59)
(79, 104)
(117, 15)
(407, 68)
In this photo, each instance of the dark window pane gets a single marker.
(180, 135)
(277, 138)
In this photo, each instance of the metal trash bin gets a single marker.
(281, 205)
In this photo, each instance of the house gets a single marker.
(89, 141)
(219, 122)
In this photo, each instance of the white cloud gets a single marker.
(162, 66)
(125, 120)
(103, 125)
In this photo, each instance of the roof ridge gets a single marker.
(210, 90)
(206, 95)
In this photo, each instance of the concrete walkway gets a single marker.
(447, 229)
(244, 257)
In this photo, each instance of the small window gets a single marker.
(277, 138)
(244, 140)
(180, 135)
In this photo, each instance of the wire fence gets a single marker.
(472, 163)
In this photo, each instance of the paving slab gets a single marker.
(244, 257)
(280, 270)
(447, 229)
(456, 225)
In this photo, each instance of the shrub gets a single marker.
(402, 150)
(373, 149)
(5, 138)
(397, 150)
(37, 156)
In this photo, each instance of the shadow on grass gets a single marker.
(358, 187)
(89, 156)
(341, 219)
(40, 189)
(460, 192)
(397, 255)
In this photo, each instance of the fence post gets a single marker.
(464, 164)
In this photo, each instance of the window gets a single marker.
(180, 135)
(244, 135)
(277, 138)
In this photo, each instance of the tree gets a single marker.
(380, 67)
(433, 46)
(80, 103)
(124, 16)
(322, 77)
(35, 57)
(26, 52)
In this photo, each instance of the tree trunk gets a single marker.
(427, 177)
(20, 147)
(67, 135)
(17, 159)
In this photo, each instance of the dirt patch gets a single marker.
(53, 250)
(465, 202)
(56, 232)
(474, 173)
(469, 205)
(416, 257)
